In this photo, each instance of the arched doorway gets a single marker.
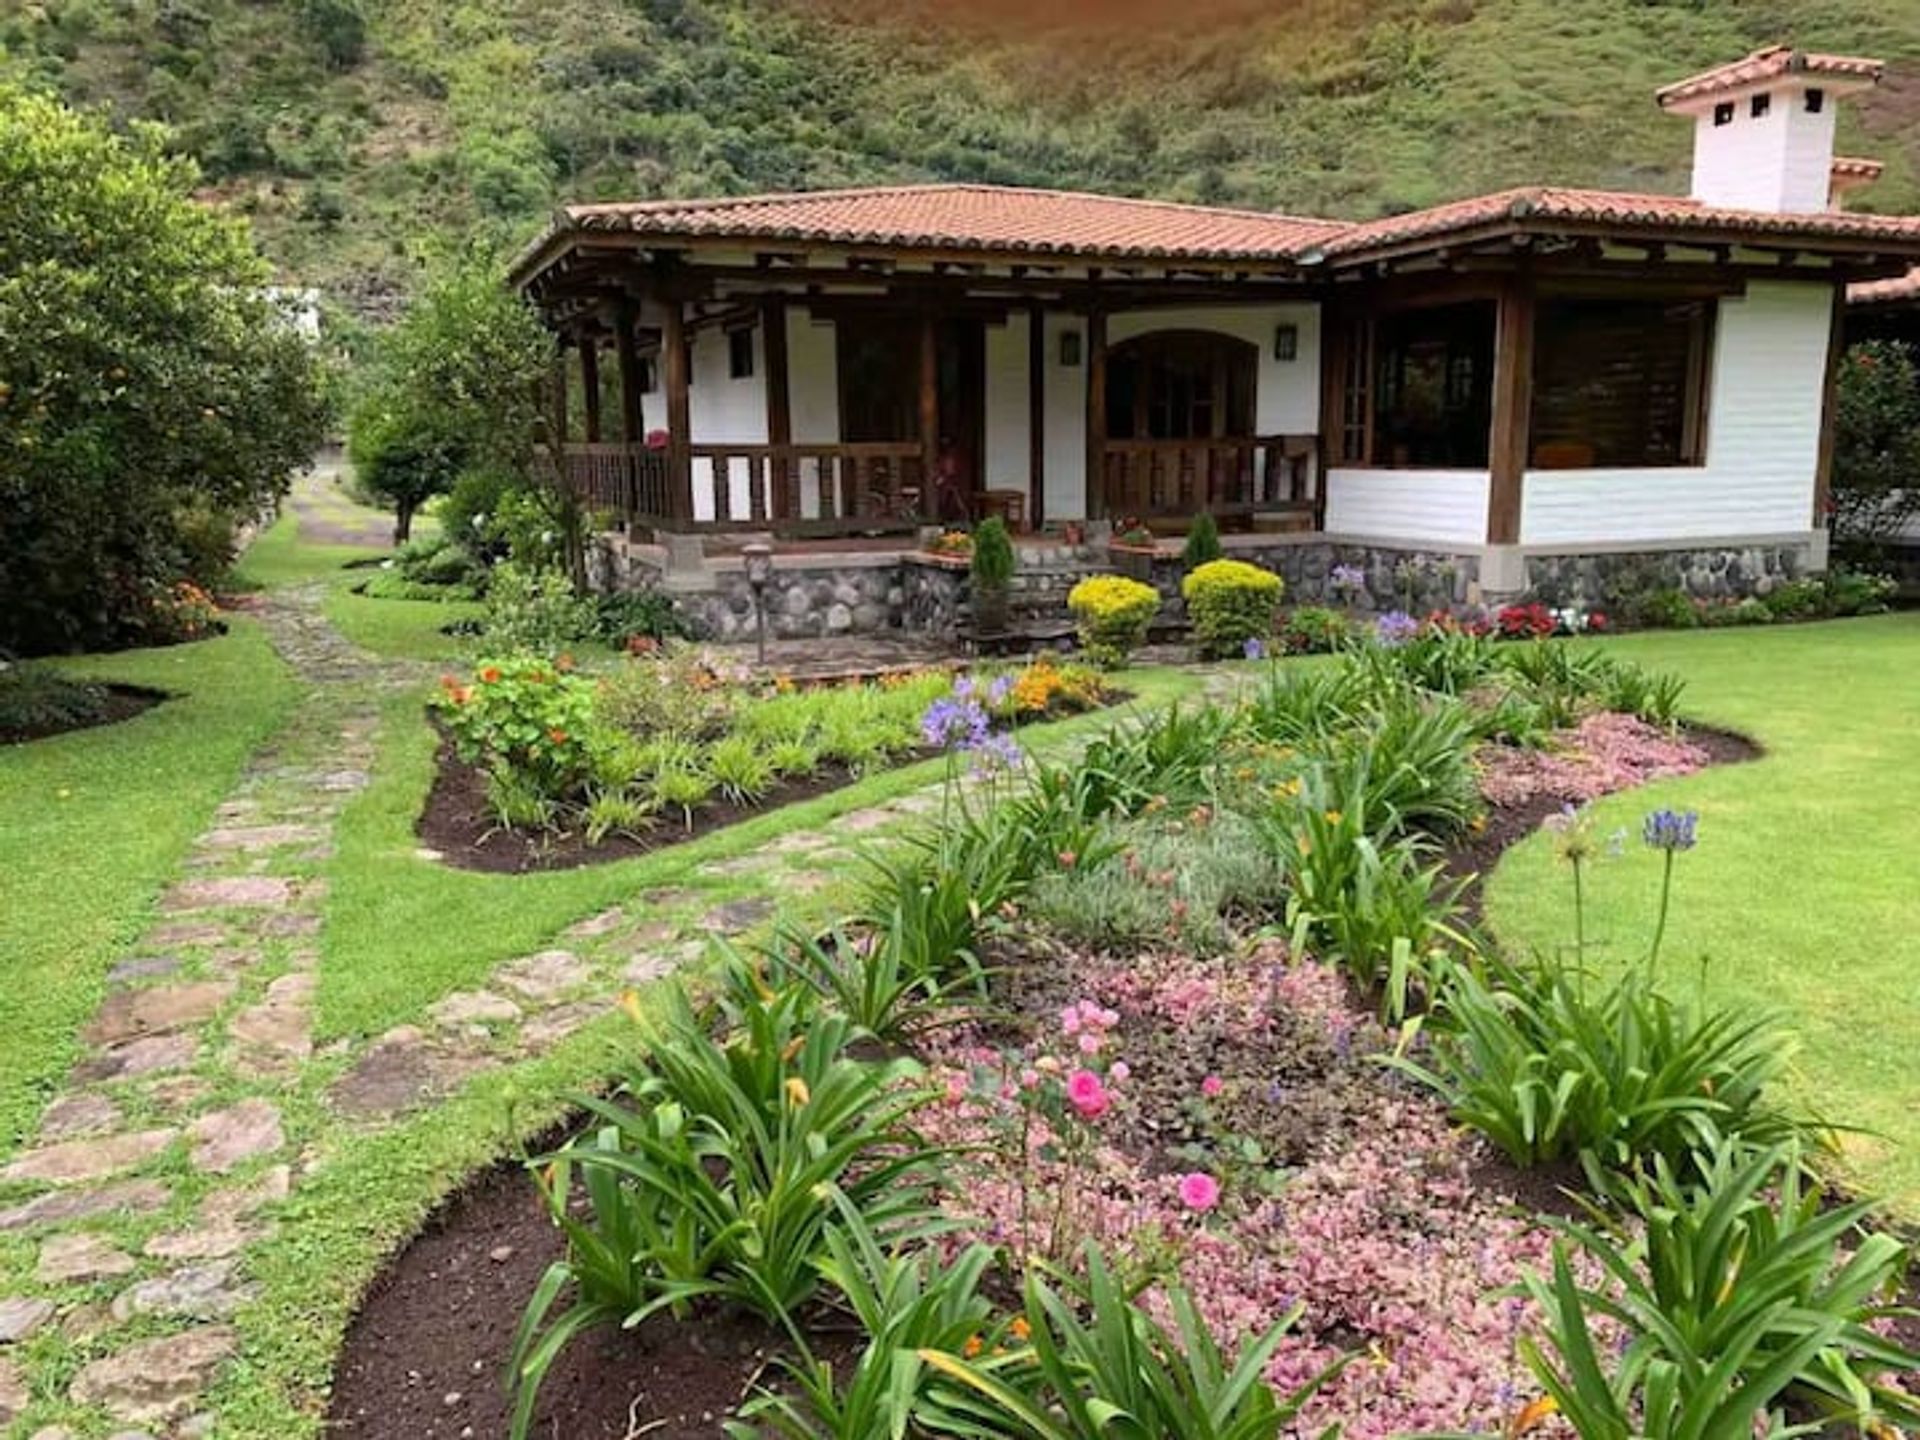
(1179, 432)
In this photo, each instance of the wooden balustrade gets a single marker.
(1226, 475)
(629, 481)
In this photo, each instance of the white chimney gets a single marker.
(1763, 127)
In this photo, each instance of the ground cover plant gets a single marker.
(1153, 1137)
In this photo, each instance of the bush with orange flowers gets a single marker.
(525, 717)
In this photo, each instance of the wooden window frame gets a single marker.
(1353, 407)
(740, 356)
(1702, 336)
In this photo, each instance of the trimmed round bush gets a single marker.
(1231, 602)
(1113, 614)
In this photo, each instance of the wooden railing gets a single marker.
(812, 489)
(789, 489)
(1227, 476)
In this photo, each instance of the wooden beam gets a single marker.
(674, 357)
(773, 344)
(1829, 407)
(929, 402)
(1096, 411)
(632, 407)
(1036, 415)
(589, 344)
(557, 392)
(1507, 445)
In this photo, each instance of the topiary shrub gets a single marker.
(992, 569)
(1203, 542)
(1231, 602)
(1113, 614)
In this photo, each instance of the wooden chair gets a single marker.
(1009, 505)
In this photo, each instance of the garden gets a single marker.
(1175, 1086)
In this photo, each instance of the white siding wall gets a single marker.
(1009, 419)
(1066, 429)
(721, 410)
(813, 393)
(1287, 392)
(1436, 506)
(1763, 440)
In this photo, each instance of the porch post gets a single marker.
(673, 357)
(773, 340)
(1036, 415)
(929, 405)
(1096, 479)
(1829, 405)
(557, 391)
(590, 381)
(1508, 443)
(632, 415)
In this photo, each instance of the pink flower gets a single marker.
(1119, 1071)
(1199, 1191)
(1089, 1043)
(1087, 1094)
(1070, 1020)
(1212, 1086)
(1029, 1078)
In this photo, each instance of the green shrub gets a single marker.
(1095, 1356)
(674, 692)
(1551, 1066)
(741, 769)
(1113, 614)
(1203, 542)
(615, 812)
(1668, 608)
(1856, 592)
(1800, 599)
(524, 717)
(535, 611)
(38, 700)
(1231, 602)
(715, 1174)
(638, 614)
(1733, 1289)
(683, 788)
(1314, 630)
(387, 585)
(205, 534)
(993, 558)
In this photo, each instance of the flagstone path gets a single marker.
(203, 1099)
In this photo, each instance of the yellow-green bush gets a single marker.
(1230, 603)
(1114, 613)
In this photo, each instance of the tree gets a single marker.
(144, 371)
(451, 388)
(1876, 451)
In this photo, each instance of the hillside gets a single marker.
(359, 132)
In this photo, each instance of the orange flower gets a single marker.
(461, 695)
(557, 736)
(564, 663)
(489, 675)
(973, 1346)
(1532, 1417)
(1020, 1328)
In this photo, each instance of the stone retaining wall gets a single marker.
(1611, 580)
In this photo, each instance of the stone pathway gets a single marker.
(165, 1156)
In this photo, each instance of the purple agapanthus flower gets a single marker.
(1347, 579)
(1255, 648)
(1396, 627)
(998, 691)
(994, 752)
(954, 722)
(1671, 829)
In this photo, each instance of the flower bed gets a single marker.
(542, 766)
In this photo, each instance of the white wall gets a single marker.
(1287, 392)
(1009, 420)
(1763, 440)
(722, 410)
(813, 393)
(1441, 506)
(1781, 161)
(1066, 427)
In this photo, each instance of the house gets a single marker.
(1544, 390)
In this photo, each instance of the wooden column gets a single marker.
(673, 359)
(590, 382)
(557, 392)
(1096, 412)
(782, 499)
(929, 405)
(1829, 403)
(1508, 441)
(632, 408)
(1036, 415)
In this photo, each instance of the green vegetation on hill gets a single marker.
(356, 132)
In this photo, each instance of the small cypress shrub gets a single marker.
(1203, 542)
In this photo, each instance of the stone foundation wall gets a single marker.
(1611, 581)
(1414, 580)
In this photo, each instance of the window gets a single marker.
(1723, 113)
(1620, 383)
(739, 354)
(1180, 385)
(649, 374)
(1433, 386)
(1760, 104)
(1816, 100)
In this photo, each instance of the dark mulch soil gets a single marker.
(425, 1356)
(457, 823)
(123, 703)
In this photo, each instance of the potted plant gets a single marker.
(992, 571)
(1132, 550)
(951, 546)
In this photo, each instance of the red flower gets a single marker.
(557, 736)
(489, 675)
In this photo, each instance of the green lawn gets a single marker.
(1803, 891)
(96, 824)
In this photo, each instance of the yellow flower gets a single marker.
(793, 1049)
(1333, 817)
(797, 1092)
(630, 1002)
(1532, 1417)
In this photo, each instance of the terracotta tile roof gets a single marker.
(971, 217)
(1623, 210)
(1770, 64)
(1852, 167)
(1886, 292)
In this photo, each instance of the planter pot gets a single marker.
(1133, 561)
(990, 609)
